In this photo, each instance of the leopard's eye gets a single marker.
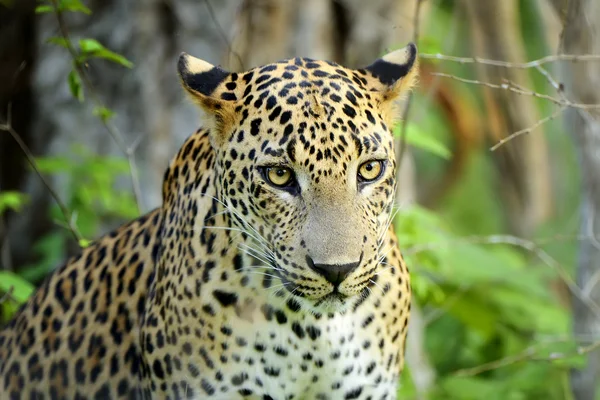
(370, 171)
(279, 176)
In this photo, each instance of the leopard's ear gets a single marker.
(203, 82)
(395, 73)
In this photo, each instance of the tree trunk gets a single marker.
(581, 35)
(522, 163)
(148, 101)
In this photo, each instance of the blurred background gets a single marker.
(501, 243)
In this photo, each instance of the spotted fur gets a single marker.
(236, 287)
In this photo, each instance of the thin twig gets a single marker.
(528, 130)
(405, 115)
(507, 64)
(527, 355)
(222, 33)
(448, 303)
(31, 160)
(112, 131)
(511, 87)
(559, 87)
(8, 295)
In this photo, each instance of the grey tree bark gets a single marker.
(147, 100)
(522, 163)
(581, 35)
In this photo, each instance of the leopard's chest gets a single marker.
(301, 357)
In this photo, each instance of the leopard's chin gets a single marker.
(331, 303)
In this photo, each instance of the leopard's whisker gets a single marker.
(252, 254)
(236, 213)
(231, 228)
(378, 286)
(268, 254)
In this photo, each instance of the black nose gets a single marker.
(334, 273)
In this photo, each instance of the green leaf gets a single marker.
(75, 86)
(90, 45)
(430, 44)
(83, 243)
(472, 388)
(474, 313)
(93, 48)
(74, 6)
(21, 289)
(103, 113)
(53, 165)
(59, 41)
(44, 9)
(12, 200)
(423, 141)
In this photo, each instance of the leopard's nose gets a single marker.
(334, 273)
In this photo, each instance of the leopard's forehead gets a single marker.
(320, 107)
(301, 76)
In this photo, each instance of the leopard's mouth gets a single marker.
(320, 298)
(333, 297)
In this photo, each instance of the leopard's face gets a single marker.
(305, 165)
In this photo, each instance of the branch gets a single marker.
(31, 160)
(506, 64)
(537, 64)
(527, 355)
(8, 295)
(112, 131)
(512, 136)
(405, 115)
(511, 88)
(222, 33)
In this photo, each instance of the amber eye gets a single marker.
(279, 176)
(370, 171)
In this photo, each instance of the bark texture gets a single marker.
(581, 35)
(522, 163)
(150, 105)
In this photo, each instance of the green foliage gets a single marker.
(103, 113)
(75, 86)
(61, 6)
(94, 197)
(494, 328)
(87, 49)
(420, 139)
(487, 302)
(93, 183)
(91, 48)
(14, 290)
(11, 200)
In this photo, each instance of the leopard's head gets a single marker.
(305, 164)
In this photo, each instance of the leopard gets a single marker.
(271, 270)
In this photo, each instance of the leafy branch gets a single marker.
(529, 354)
(69, 220)
(78, 77)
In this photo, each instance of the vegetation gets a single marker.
(496, 326)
